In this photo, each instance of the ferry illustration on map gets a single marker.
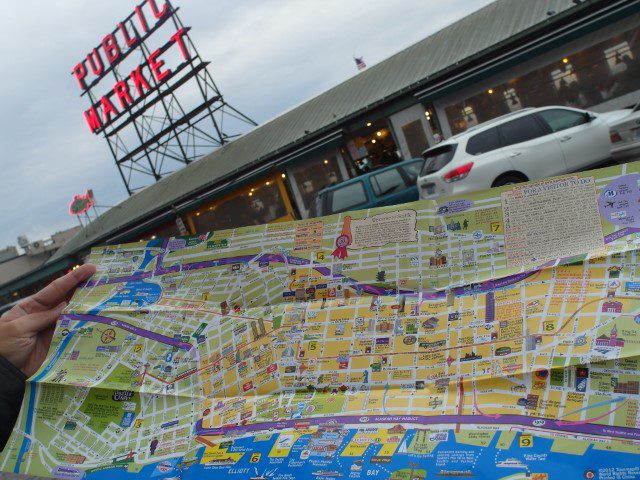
(266, 475)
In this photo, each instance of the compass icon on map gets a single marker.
(108, 336)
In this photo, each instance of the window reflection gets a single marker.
(312, 176)
(594, 75)
(261, 203)
(373, 146)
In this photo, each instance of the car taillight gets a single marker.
(458, 173)
(615, 136)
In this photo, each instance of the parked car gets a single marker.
(529, 144)
(625, 135)
(385, 186)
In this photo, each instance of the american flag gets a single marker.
(360, 63)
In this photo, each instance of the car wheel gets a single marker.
(509, 179)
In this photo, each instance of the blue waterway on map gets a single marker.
(148, 255)
(481, 462)
(137, 292)
(32, 394)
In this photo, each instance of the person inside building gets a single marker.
(25, 336)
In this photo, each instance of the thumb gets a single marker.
(36, 322)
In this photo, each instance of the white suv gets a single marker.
(529, 144)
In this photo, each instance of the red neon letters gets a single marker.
(122, 89)
(113, 48)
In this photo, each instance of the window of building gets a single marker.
(347, 197)
(169, 229)
(373, 146)
(483, 142)
(512, 99)
(560, 119)
(563, 77)
(387, 182)
(469, 116)
(312, 176)
(582, 79)
(617, 55)
(521, 130)
(261, 203)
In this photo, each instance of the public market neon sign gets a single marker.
(114, 48)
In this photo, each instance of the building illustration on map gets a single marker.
(610, 341)
(612, 307)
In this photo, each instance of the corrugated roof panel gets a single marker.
(461, 40)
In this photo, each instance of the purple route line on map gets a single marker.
(521, 420)
(485, 287)
(129, 328)
(623, 232)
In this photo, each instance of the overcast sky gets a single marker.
(267, 55)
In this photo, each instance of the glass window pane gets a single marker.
(438, 158)
(591, 76)
(312, 176)
(483, 142)
(261, 204)
(387, 182)
(347, 197)
(521, 130)
(561, 119)
(413, 170)
(373, 146)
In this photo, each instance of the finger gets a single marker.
(15, 312)
(36, 322)
(57, 291)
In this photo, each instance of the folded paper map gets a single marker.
(494, 335)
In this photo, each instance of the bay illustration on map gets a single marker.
(494, 335)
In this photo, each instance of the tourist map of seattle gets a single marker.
(494, 335)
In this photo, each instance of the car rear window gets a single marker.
(387, 182)
(483, 142)
(412, 170)
(346, 197)
(437, 158)
(521, 130)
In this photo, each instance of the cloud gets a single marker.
(267, 55)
